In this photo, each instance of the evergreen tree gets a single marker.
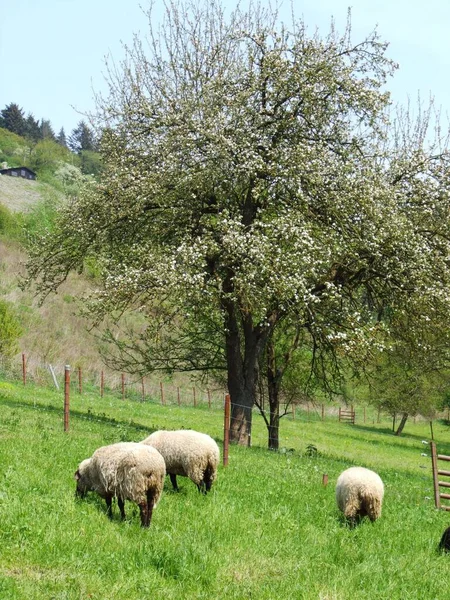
(13, 119)
(47, 132)
(32, 128)
(81, 138)
(61, 137)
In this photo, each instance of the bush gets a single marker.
(8, 222)
(10, 331)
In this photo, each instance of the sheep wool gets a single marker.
(127, 470)
(359, 493)
(187, 453)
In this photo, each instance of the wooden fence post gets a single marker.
(323, 412)
(178, 396)
(226, 429)
(66, 396)
(161, 389)
(24, 369)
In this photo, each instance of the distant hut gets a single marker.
(24, 172)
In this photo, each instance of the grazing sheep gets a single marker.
(444, 544)
(189, 454)
(127, 470)
(359, 493)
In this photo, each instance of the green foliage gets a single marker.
(10, 330)
(46, 157)
(10, 223)
(42, 215)
(91, 162)
(13, 148)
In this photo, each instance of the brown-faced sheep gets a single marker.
(359, 493)
(127, 470)
(189, 454)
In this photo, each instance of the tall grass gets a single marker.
(268, 529)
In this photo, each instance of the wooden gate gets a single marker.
(347, 416)
(438, 495)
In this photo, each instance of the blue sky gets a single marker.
(52, 52)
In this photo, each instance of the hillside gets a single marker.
(19, 194)
(53, 333)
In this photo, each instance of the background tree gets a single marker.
(46, 157)
(405, 386)
(90, 162)
(251, 182)
(81, 138)
(32, 129)
(47, 132)
(13, 119)
(61, 137)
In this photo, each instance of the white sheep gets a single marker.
(359, 493)
(187, 453)
(127, 470)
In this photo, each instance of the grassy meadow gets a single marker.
(268, 530)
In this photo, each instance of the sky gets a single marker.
(52, 52)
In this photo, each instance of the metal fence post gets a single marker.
(66, 396)
(226, 430)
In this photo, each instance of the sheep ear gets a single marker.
(77, 474)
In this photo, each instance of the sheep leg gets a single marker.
(173, 479)
(150, 505)
(144, 514)
(108, 499)
(121, 504)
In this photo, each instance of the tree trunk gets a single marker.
(402, 423)
(273, 387)
(242, 368)
(274, 429)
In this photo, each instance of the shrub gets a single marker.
(10, 331)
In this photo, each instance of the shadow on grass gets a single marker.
(144, 430)
(87, 416)
(389, 439)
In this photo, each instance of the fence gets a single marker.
(146, 389)
(438, 495)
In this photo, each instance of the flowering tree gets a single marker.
(252, 180)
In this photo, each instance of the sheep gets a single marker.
(127, 470)
(359, 493)
(187, 453)
(444, 544)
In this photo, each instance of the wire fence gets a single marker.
(122, 385)
(149, 389)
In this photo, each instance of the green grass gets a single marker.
(268, 530)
